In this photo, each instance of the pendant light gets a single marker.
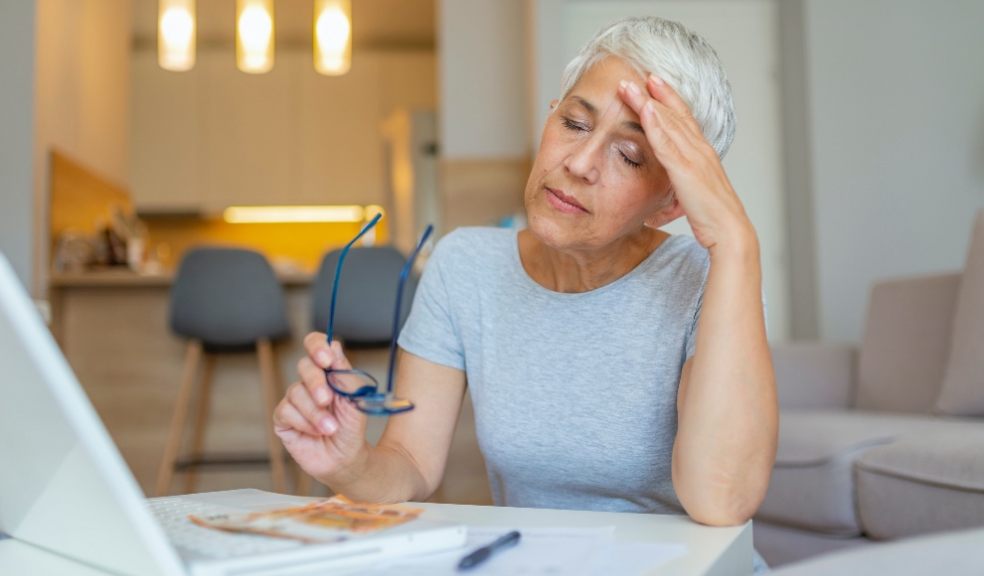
(254, 35)
(176, 34)
(332, 36)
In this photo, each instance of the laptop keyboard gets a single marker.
(172, 512)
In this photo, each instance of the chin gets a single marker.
(550, 231)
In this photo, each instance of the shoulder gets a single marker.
(472, 246)
(682, 257)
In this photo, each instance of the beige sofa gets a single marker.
(887, 440)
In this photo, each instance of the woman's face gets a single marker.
(595, 178)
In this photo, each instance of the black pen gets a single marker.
(485, 552)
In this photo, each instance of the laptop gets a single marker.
(65, 488)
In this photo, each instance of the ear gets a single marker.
(670, 211)
(553, 104)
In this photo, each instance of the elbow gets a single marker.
(721, 504)
(720, 513)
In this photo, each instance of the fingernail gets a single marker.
(623, 84)
(632, 87)
(321, 395)
(328, 426)
(324, 358)
(656, 80)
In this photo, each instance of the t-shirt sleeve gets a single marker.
(691, 341)
(430, 331)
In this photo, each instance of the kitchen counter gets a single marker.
(121, 277)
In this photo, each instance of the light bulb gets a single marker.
(254, 36)
(176, 35)
(332, 36)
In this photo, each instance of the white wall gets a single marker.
(895, 100)
(16, 118)
(82, 97)
(482, 79)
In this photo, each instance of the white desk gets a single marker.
(711, 551)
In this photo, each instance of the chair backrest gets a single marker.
(227, 297)
(366, 295)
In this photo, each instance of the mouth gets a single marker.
(564, 203)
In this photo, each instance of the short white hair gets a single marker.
(680, 57)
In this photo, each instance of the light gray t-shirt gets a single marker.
(574, 394)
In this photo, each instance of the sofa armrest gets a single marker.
(815, 375)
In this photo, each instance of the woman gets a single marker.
(612, 366)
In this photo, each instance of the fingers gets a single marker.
(666, 95)
(319, 420)
(325, 355)
(656, 127)
(316, 346)
(677, 140)
(339, 361)
(314, 379)
(320, 357)
(286, 418)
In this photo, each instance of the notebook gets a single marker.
(64, 486)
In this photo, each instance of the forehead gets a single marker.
(604, 76)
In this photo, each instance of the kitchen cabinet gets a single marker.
(247, 137)
(165, 139)
(214, 136)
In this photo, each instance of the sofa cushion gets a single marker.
(962, 392)
(812, 484)
(952, 554)
(906, 343)
(930, 482)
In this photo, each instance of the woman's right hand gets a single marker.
(324, 432)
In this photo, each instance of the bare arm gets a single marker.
(325, 433)
(728, 418)
(727, 410)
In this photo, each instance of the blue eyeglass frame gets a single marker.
(372, 391)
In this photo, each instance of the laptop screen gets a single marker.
(63, 484)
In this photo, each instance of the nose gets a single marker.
(582, 163)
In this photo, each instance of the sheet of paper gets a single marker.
(543, 552)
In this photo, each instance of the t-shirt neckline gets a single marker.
(531, 284)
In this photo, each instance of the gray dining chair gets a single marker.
(366, 295)
(224, 300)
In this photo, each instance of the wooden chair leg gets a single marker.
(201, 420)
(264, 351)
(302, 482)
(164, 474)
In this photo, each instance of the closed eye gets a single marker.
(575, 126)
(630, 162)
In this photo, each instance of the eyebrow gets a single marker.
(592, 109)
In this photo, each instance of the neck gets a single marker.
(582, 270)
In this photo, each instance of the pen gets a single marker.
(485, 552)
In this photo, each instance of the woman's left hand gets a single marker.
(703, 192)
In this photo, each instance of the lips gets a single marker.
(564, 202)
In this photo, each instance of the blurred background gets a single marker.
(859, 155)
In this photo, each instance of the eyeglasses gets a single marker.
(358, 385)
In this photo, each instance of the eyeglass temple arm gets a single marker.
(399, 301)
(338, 273)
